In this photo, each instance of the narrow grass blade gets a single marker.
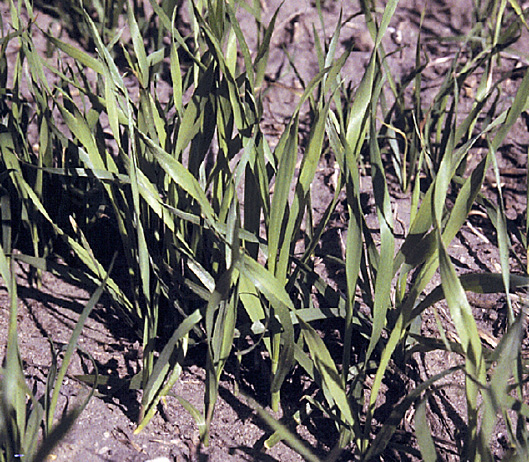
(468, 333)
(331, 381)
(65, 423)
(507, 356)
(384, 274)
(70, 349)
(139, 48)
(13, 386)
(76, 53)
(424, 436)
(163, 365)
(279, 244)
(279, 300)
(388, 429)
(181, 176)
(285, 434)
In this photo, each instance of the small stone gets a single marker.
(103, 450)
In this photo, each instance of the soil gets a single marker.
(105, 429)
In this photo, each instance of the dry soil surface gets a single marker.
(105, 430)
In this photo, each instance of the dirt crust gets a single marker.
(105, 430)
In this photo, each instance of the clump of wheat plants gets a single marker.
(209, 212)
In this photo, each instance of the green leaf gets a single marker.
(331, 381)
(424, 436)
(275, 293)
(80, 56)
(159, 373)
(139, 48)
(284, 433)
(70, 349)
(279, 244)
(181, 177)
